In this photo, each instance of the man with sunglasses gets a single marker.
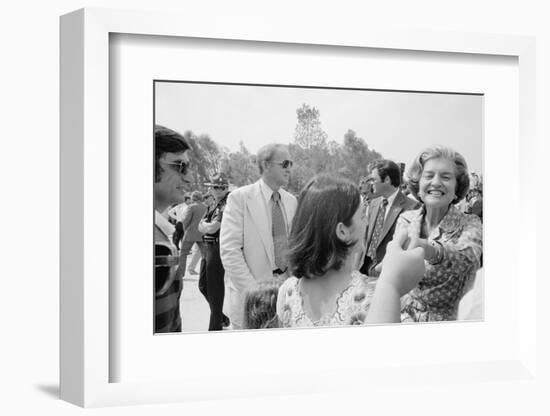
(212, 273)
(255, 229)
(171, 180)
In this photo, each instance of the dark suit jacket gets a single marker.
(400, 204)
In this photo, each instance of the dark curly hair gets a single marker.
(167, 141)
(439, 152)
(314, 247)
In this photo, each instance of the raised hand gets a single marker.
(403, 268)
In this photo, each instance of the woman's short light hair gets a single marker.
(414, 172)
(266, 154)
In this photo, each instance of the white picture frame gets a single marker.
(85, 354)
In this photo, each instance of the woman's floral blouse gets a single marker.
(437, 295)
(352, 304)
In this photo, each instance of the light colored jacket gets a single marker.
(246, 243)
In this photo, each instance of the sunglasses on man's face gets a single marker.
(284, 164)
(181, 166)
(219, 188)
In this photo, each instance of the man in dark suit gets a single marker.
(383, 211)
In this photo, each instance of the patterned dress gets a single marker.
(352, 304)
(437, 295)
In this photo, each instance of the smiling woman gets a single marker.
(452, 240)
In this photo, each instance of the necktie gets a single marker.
(379, 224)
(280, 240)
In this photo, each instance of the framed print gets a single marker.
(118, 72)
(233, 124)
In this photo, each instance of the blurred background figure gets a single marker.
(189, 222)
(474, 197)
(474, 203)
(196, 257)
(209, 200)
(197, 254)
(365, 188)
(175, 213)
(212, 273)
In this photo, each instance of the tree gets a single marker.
(205, 157)
(309, 150)
(240, 166)
(356, 156)
(308, 132)
(302, 171)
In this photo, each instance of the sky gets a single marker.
(399, 125)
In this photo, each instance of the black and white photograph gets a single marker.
(282, 206)
(267, 208)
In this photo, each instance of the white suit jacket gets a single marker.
(246, 243)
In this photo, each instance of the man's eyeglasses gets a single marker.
(181, 166)
(219, 188)
(284, 164)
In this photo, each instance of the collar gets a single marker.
(221, 201)
(267, 192)
(448, 224)
(391, 198)
(163, 224)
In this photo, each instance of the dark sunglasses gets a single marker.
(284, 164)
(182, 167)
(220, 188)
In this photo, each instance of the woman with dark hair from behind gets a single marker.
(326, 249)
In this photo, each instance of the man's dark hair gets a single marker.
(314, 247)
(387, 168)
(167, 141)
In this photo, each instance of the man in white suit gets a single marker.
(255, 228)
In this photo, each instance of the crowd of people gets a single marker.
(393, 248)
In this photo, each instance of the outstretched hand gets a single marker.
(402, 268)
(429, 251)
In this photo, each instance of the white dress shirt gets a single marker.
(390, 199)
(267, 192)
